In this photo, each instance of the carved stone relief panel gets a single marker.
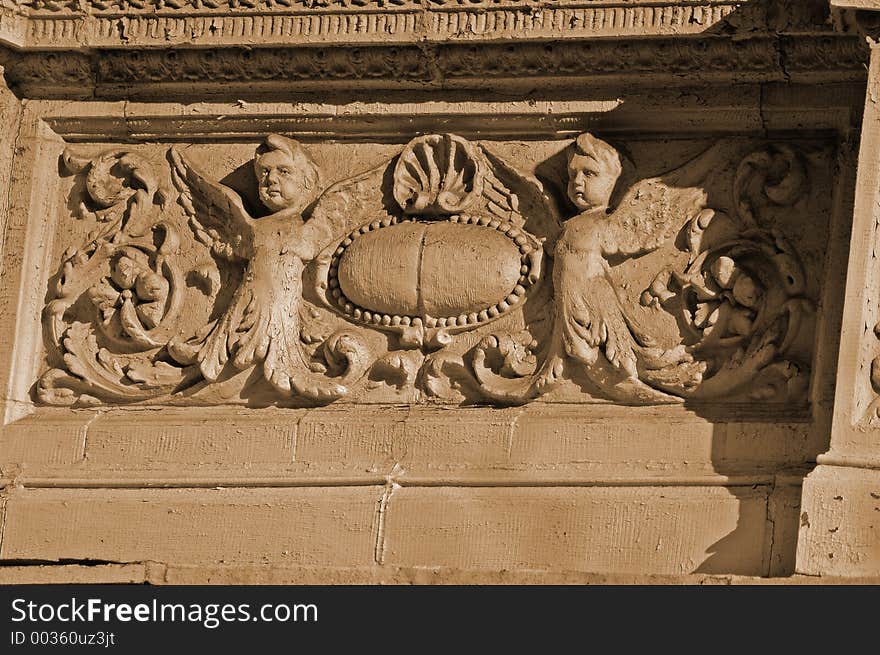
(443, 270)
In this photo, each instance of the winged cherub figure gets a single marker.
(592, 324)
(591, 315)
(262, 322)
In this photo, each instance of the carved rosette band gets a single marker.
(95, 73)
(461, 283)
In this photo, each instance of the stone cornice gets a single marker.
(84, 24)
(138, 48)
(678, 61)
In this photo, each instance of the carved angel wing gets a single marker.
(262, 323)
(216, 212)
(341, 209)
(592, 313)
(521, 199)
(653, 210)
(342, 206)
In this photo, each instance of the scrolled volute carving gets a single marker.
(127, 277)
(771, 176)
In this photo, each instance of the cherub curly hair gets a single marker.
(294, 150)
(587, 145)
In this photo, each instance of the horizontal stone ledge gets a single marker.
(648, 62)
(865, 460)
(305, 526)
(805, 111)
(234, 416)
(135, 573)
(279, 575)
(542, 441)
(602, 530)
(160, 574)
(505, 479)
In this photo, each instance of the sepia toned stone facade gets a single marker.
(439, 291)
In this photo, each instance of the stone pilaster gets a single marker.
(10, 118)
(840, 510)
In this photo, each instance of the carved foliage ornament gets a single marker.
(443, 275)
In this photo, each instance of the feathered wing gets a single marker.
(216, 212)
(341, 209)
(654, 209)
(346, 205)
(650, 214)
(262, 322)
(219, 220)
(520, 198)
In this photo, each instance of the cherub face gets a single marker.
(589, 183)
(281, 181)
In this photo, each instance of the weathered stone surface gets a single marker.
(446, 270)
(839, 529)
(430, 291)
(594, 529)
(309, 526)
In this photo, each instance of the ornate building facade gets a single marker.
(439, 290)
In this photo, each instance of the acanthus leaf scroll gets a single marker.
(128, 280)
(443, 275)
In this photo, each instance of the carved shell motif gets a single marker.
(438, 174)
